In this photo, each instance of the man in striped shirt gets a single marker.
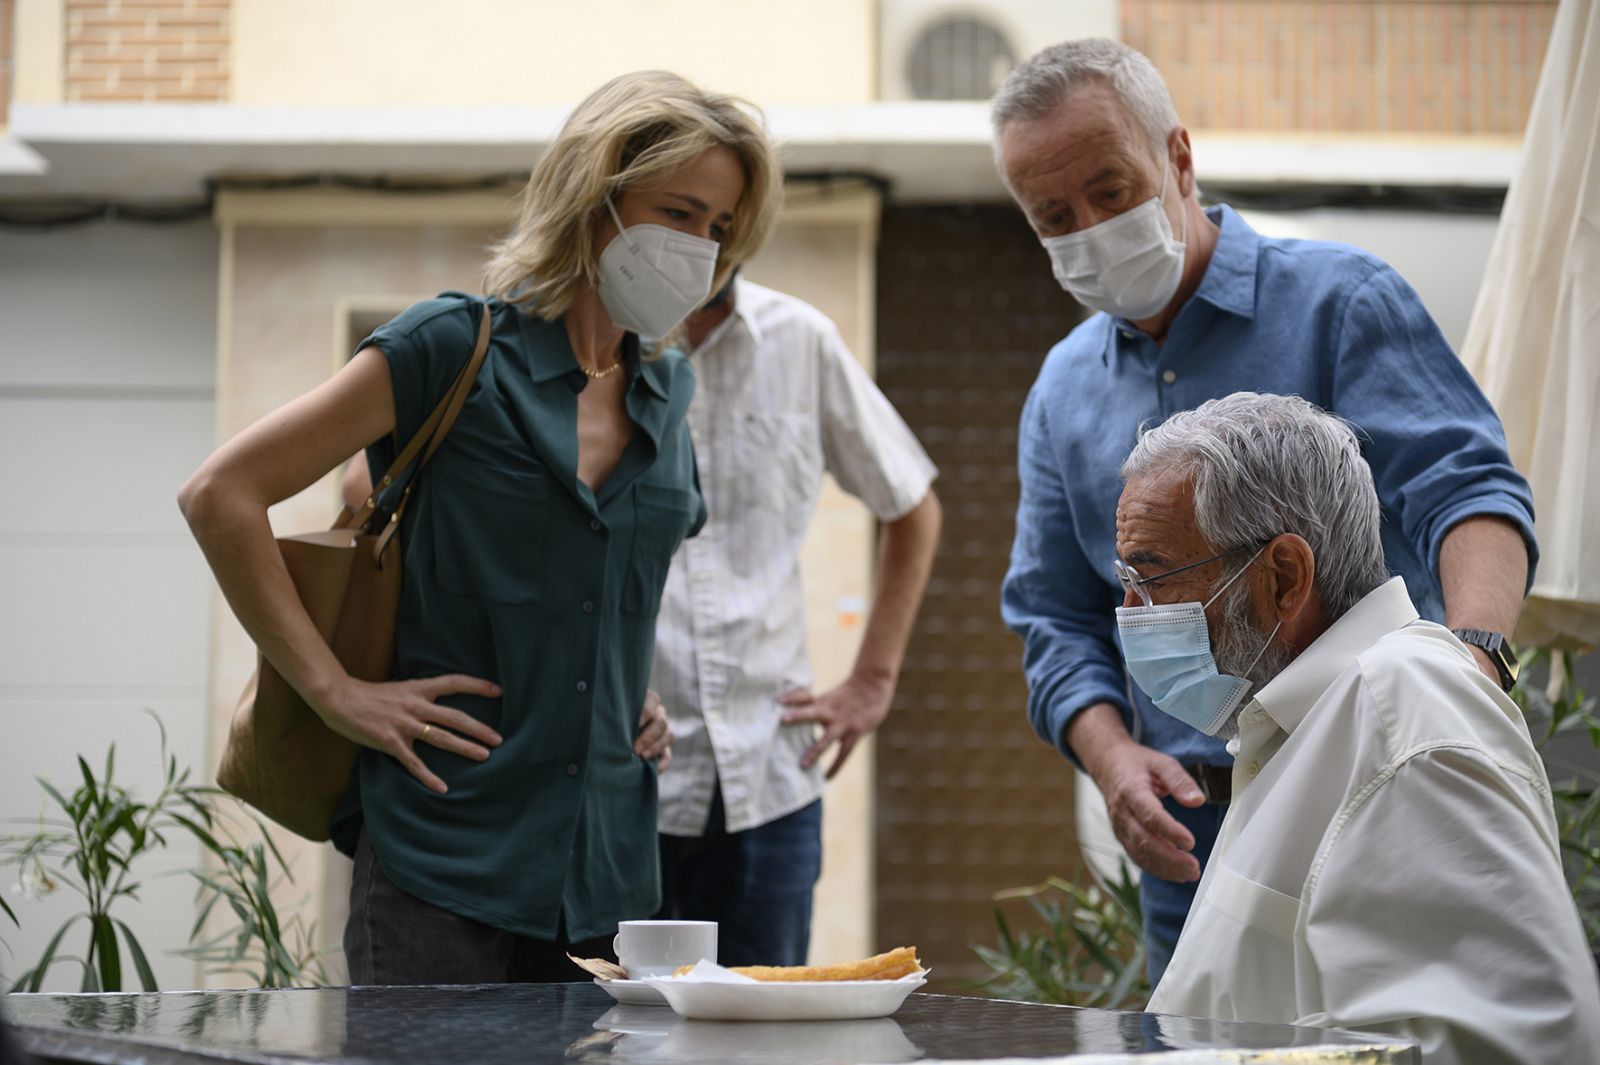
(780, 401)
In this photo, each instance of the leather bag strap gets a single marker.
(426, 440)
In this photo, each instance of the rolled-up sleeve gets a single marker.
(1436, 448)
(1053, 597)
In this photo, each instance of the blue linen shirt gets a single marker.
(1324, 321)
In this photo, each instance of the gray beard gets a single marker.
(1237, 641)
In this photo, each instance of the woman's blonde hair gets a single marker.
(632, 131)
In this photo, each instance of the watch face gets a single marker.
(1508, 662)
(1505, 664)
(1494, 645)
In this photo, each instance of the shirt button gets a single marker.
(1253, 768)
(1169, 376)
(583, 685)
(595, 525)
(572, 770)
(588, 607)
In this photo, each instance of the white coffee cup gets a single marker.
(657, 948)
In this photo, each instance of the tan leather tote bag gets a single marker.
(280, 756)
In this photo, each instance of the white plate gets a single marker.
(834, 1000)
(632, 992)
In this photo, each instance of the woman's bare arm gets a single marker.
(355, 483)
(225, 503)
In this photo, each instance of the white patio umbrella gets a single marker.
(1534, 340)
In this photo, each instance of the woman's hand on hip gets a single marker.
(393, 716)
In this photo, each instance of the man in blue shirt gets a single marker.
(1195, 304)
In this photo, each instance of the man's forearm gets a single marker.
(1093, 731)
(1483, 572)
(905, 560)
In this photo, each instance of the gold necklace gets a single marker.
(595, 375)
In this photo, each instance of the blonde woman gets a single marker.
(507, 796)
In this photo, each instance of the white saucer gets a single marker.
(632, 992)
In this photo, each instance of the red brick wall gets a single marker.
(147, 50)
(1437, 66)
(8, 36)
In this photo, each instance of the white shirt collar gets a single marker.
(1288, 696)
(742, 314)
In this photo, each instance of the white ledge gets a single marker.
(927, 150)
(19, 160)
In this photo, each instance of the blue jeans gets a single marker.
(755, 884)
(1166, 903)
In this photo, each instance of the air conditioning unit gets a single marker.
(933, 50)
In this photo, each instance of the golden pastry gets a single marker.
(890, 965)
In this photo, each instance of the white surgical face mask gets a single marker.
(652, 277)
(1128, 266)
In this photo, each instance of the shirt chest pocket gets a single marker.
(662, 517)
(489, 531)
(775, 460)
(1236, 957)
(1251, 904)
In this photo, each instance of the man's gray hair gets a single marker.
(1264, 465)
(1037, 87)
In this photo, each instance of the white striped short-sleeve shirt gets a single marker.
(779, 401)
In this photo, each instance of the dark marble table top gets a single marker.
(529, 1024)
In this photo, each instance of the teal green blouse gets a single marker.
(516, 572)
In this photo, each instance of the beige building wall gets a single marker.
(357, 53)
(296, 266)
(38, 52)
(517, 52)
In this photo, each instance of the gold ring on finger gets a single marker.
(425, 730)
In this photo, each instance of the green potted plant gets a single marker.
(89, 842)
(1558, 712)
(1087, 948)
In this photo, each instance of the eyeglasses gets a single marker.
(1131, 580)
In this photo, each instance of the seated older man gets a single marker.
(1390, 861)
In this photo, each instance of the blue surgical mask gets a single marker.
(1168, 651)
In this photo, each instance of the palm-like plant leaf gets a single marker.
(1085, 949)
(141, 964)
(106, 952)
(35, 976)
(94, 849)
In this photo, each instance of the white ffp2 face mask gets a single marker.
(1128, 266)
(652, 277)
